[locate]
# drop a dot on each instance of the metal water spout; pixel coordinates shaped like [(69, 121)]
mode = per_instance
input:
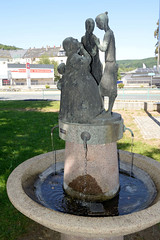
[(85, 137), (126, 128), (132, 135)]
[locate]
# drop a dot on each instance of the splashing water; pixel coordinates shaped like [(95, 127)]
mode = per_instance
[(132, 154), (85, 165), (85, 136), (53, 149)]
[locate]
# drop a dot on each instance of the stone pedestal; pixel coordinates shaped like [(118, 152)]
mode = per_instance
[(91, 163), (68, 237)]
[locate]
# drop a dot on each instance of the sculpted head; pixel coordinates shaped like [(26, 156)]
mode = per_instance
[(61, 68), (71, 45), (102, 21), (89, 24)]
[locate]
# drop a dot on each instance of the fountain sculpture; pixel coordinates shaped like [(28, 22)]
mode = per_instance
[(92, 179)]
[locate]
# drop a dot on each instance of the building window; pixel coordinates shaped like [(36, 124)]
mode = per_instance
[(34, 82), (61, 53), (5, 82)]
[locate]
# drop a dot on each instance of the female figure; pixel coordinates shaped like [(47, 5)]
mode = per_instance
[(80, 98), (88, 41), (108, 84)]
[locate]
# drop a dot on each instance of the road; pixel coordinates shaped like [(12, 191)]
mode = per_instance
[(55, 95), (31, 95)]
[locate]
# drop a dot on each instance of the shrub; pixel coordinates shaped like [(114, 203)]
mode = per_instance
[(120, 85)]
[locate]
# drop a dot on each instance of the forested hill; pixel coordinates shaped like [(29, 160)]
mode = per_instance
[(6, 47), (149, 62)]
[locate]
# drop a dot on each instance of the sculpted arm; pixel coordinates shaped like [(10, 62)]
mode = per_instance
[(61, 70), (85, 54), (104, 46), (94, 51), (91, 50)]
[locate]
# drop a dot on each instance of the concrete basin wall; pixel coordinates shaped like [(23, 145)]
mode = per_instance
[(96, 227)]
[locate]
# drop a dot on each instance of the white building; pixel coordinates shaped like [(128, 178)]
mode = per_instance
[(29, 74), (13, 66)]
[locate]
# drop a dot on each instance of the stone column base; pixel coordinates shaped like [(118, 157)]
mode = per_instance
[(95, 178)]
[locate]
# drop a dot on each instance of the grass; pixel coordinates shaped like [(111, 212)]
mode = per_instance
[(147, 147), (30, 105), (25, 128), (23, 134)]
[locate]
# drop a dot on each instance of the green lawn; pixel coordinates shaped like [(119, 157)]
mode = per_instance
[(23, 134), (25, 131)]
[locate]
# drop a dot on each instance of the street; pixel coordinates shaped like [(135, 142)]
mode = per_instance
[(31, 95), (123, 94)]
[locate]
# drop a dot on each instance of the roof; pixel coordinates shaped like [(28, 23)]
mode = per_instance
[(31, 53), (5, 54), (17, 53), (38, 52)]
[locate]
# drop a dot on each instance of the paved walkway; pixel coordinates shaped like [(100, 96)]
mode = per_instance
[(149, 126)]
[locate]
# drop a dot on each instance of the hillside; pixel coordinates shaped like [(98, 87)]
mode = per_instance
[(7, 47), (137, 63)]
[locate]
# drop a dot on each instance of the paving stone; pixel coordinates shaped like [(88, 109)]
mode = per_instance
[(149, 126)]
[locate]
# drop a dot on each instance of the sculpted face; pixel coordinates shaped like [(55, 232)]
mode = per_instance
[(71, 45), (89, 25), (100, 24), (102, 21)]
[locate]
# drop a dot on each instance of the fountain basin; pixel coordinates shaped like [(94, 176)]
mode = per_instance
[(97, 227)]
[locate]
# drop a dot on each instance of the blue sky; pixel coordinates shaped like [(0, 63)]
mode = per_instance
[(37, 23)]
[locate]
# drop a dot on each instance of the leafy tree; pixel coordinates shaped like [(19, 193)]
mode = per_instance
[(44, 59), (55, 63), (156, 35), (118, 75)]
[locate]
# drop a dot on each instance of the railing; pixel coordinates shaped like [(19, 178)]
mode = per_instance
[(139, 94)]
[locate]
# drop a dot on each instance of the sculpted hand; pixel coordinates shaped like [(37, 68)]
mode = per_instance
[(81, 47), (97, 41)]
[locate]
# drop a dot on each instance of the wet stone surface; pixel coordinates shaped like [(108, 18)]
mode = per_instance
[(86, 184)]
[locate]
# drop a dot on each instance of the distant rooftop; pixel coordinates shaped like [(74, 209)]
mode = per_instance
[(32, 52), (146, 70), (17, 53), (5, 53)]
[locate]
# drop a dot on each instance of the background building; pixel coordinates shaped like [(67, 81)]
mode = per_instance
[(39, 74), (13, 70)]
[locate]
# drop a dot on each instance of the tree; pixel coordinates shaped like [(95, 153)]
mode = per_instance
[(55, 63), (118, 75), (44, 59), (156, 35)]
